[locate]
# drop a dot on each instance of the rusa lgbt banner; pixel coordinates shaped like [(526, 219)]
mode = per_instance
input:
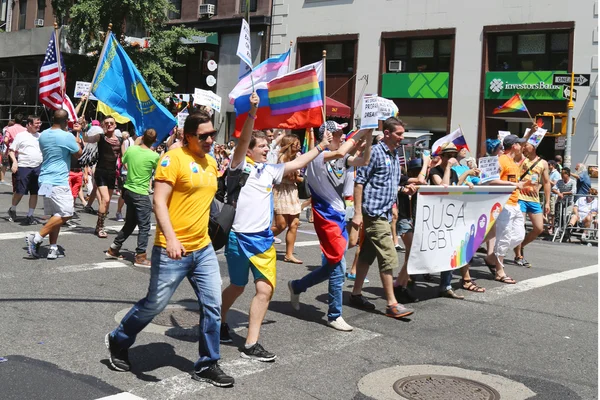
[(451, 223)]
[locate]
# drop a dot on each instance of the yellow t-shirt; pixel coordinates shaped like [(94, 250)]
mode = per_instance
[(194, 182), (535, 174), (509, 171)]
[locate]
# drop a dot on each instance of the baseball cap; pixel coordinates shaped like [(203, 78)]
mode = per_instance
[(512, 139), (331, 126), (95, 123)]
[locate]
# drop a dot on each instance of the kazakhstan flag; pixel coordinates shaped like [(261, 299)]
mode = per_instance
[(120, 86)]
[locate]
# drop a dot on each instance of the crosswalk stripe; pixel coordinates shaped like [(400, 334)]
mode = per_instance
[(63, 232)]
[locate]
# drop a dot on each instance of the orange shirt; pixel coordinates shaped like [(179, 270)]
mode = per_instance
[(509, 171)]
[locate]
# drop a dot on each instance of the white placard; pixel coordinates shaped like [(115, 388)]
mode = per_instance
[(207, 98), (451, 223), (536, 137), (387, 108), (490, 169), (370, 111), (181, 117), (502, 135), (83, 88), (244, 50)]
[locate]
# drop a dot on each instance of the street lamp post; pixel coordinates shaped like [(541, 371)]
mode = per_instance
[(570, 106)]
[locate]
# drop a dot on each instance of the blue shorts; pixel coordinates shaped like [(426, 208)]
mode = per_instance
[(239, 265), (27, 180), (530, 207), (404, 226)]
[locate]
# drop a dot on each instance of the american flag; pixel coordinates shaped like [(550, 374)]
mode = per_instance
[(51, 90), (68, 106)]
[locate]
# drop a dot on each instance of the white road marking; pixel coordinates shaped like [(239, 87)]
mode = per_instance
[(534, 283), (307, 232), (65, 231), (121, 396), (88, 267), (307, 243)]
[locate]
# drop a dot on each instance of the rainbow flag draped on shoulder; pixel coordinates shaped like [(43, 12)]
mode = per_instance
[(287, 101)]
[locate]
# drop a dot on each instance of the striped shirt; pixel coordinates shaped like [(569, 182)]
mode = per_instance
[(380, 180), (570, 186)]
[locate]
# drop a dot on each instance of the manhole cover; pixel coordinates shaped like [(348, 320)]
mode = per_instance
[(433, 387), (178, 317)]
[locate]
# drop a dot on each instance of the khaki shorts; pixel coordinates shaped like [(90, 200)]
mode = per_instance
[(378, 244)]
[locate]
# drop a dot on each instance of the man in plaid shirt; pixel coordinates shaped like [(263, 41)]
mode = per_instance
[(375, 192)]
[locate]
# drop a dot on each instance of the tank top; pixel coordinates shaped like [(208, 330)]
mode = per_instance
[(534, 175)]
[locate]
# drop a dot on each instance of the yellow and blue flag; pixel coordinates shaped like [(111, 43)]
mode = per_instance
[(120, 86)]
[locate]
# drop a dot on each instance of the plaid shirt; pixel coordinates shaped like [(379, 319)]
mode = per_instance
[(380, 180)]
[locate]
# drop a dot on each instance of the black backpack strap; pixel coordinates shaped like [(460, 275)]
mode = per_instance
[(235, 180), (532, 166)]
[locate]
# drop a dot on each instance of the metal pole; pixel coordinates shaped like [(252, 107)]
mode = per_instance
[(570, 106)]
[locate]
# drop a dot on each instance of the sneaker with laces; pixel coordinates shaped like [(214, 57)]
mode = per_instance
[(340, 325), (398, 311), (225, 336), (119, 358), (141, 261), (33, 248), (53, 254), (360, 301), (113, 254), (119, 217), (12, 215), (257, 352), (30, 220), (75, 215), (294, 298), (214, 375), (276, 240)]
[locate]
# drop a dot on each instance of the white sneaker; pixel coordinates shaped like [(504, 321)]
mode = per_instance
[(294, 298), (277, 240), (119, 217), (53, 254), (340, 325)]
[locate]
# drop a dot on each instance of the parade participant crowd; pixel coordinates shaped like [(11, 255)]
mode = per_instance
[(358, 189)]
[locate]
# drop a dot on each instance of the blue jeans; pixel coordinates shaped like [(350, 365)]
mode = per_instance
[(445, 280), (202, 270), (335, 274)]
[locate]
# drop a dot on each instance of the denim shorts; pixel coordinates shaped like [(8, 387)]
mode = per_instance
[(404, 226), (532, 207)]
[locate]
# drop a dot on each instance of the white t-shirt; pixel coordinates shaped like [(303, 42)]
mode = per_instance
[(327, 181), (584, 208), (254, 210), (27, 145)]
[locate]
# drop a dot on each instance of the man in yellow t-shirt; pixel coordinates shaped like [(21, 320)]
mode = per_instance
[(185, 185), (510, 224)]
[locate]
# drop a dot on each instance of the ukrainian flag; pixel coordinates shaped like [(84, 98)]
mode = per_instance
[(120, 86)]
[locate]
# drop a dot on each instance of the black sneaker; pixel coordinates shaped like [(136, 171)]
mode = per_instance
[(214, 375), (225, 336), (360, 301), (404, 295), (12, 215), (257, 352), (119, 358), (30, 220)]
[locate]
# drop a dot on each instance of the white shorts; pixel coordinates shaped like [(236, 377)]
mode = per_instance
[(510, 230), (58, 202)]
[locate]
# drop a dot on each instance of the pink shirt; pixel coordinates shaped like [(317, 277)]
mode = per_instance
[(12, 131)]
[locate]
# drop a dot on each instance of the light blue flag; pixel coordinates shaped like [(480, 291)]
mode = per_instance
[(119, 85)]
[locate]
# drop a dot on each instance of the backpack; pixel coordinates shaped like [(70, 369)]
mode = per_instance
[(222, 209)]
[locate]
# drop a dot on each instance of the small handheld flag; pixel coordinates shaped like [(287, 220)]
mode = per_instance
[(513, 104)]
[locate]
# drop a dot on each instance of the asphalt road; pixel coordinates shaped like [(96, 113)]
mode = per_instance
[(537, 339)]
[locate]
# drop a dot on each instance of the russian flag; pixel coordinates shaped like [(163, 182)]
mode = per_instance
[(240, 97), (455, 137), (330, 226)]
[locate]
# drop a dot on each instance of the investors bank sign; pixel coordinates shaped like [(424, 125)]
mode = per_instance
[(531, 85)]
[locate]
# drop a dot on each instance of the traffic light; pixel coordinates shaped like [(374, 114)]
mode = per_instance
[(563, 127), (545, 121)]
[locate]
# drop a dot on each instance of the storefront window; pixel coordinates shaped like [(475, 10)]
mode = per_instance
[(540, 51)]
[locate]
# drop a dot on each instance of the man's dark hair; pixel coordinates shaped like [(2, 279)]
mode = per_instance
[(392, 123), (256, 135), (19, 119), (190, 127), (60, 117), (31, 119), (149, 137), (558, 158), (566, 170), (553, 163)]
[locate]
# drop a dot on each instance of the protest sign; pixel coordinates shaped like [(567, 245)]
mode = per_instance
[(490, 169), (536, 137), (83, 88), (244, 51), (451, 223), (370, 109), (207, 98), (181, 117), (387, 108), (502, 135)]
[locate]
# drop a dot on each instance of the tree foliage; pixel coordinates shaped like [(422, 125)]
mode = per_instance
[(88, 22)]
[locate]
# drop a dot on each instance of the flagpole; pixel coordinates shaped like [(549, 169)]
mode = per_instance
[(59, 61), (526, 109), (324, 107), (96, 71)]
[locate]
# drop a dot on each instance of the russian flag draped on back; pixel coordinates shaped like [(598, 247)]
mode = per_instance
[(240, 96), (455, 137)]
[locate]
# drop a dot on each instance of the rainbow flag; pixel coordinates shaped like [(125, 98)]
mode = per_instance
[(513, 104), (295, 92)]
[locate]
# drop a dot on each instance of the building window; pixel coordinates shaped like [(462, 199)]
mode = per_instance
[(3, 12), (41, 9), (175, 12), (253, 6), (422, 55), (22, 14), (340, 56), (539, 51)]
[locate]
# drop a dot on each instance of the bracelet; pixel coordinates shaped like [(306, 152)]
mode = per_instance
[(424, 174), (252, 116), (319, 148)]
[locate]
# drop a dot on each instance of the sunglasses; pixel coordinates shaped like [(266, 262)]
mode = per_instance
[(450, 155), (205, 136), (110, 123)]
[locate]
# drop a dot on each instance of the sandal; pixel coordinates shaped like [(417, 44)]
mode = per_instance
[(293, 260), (468, 284), (505, 279), (522, 262)]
